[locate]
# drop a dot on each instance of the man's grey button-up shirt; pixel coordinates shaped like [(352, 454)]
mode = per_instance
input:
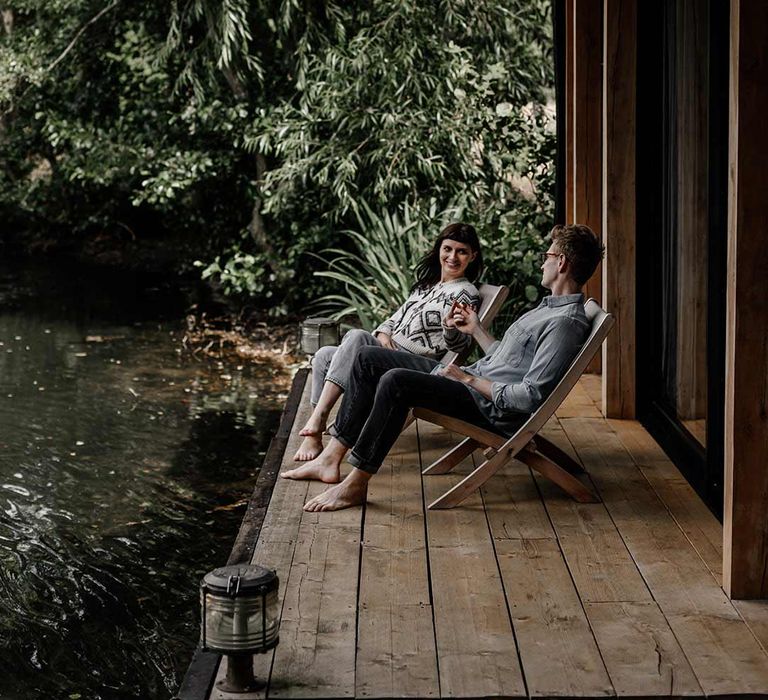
[(531, 358)]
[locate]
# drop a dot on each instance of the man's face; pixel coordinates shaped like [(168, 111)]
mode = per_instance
[(549, 267)]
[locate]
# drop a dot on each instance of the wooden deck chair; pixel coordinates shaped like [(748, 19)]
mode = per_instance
[(532, 449)]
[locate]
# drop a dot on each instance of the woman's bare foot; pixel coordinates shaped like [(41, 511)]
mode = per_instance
[(343, 495), (310, 448), (322, 468)]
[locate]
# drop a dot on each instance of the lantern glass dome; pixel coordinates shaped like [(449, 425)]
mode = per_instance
[(239, 609)]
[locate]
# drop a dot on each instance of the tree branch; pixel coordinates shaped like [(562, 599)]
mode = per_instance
[(72, 43)]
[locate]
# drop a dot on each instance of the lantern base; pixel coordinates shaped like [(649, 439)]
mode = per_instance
[(240, 678)]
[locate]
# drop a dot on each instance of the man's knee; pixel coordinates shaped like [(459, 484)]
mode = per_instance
[(393, 382)]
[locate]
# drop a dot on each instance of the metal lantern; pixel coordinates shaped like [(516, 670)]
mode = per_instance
[(239, 619), (318, 332)]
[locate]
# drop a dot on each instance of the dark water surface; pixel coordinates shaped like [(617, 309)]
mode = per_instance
[(125, 465)]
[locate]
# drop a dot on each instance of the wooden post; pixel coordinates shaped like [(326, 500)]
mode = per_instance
[(745, 531), (588, 117), (692, 133), (570, 167), (619, 224)]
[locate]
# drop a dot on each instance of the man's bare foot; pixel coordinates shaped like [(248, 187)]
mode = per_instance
[(343, 495), (310, 448), (321, 468)]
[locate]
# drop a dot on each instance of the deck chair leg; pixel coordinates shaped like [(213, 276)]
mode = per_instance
[(569, 483), (560, 457), (471, 483), (450, 459)]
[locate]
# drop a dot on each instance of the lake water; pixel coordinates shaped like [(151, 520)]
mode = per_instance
[(125, 468)]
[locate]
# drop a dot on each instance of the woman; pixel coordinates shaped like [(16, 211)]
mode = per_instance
[(423, 325)]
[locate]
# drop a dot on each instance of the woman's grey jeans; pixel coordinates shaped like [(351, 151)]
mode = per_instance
[(333, 363)]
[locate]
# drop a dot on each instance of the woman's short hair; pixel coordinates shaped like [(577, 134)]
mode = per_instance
[(428, 269), (581, 248)]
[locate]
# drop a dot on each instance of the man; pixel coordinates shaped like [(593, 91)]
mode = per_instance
[(496, 393)]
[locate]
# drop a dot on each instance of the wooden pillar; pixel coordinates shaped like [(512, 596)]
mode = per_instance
[(587, 129), (692, 134), (618, 215), (745, 531), (570, 167)]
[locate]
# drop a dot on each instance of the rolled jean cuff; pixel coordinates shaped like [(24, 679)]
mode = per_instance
[(334, 433), (361, 464), (336, 381)]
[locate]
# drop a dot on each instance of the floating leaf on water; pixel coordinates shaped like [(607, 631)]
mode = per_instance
[(233, 506)]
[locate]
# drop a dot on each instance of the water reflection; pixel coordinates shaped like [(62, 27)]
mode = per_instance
[(125, 465)]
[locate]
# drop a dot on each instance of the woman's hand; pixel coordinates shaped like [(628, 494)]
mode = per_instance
[(386, 341)]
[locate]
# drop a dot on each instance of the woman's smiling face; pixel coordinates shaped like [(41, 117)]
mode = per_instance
[(454, 258)]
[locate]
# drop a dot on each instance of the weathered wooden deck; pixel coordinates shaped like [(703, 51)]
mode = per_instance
[(520, 591)]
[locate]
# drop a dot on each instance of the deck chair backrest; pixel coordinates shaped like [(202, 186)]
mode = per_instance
[(491, 299), (602, 323)]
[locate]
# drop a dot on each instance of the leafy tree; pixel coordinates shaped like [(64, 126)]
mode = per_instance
[(247, 133)]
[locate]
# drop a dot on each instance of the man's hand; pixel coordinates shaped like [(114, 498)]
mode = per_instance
[(386, 341), (483, 386), (453, 372), (460, 316)]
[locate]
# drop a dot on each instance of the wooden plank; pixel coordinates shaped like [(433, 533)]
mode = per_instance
[(593, 385), (601, 568), (723, 653), (579, 403), (587, 145), (755, 614), (701, 528), (618, 214), (556, 474), (513, 506), (745, 551), (640, 651), (475, 642), (558, 652), (316, 655), (597, 557), (396, 654)]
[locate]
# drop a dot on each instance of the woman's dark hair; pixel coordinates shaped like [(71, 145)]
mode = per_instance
[(428, 269)]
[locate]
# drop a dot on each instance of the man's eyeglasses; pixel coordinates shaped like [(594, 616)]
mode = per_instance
[(543, 256)]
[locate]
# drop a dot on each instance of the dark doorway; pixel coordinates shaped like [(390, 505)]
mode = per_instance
[(682, 146)]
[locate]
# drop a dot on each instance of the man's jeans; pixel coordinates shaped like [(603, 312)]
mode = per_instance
[(384, 385)]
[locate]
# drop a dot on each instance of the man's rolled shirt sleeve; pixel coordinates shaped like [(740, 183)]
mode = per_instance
[(555, 349)]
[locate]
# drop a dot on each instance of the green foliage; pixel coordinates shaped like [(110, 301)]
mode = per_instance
[(377, 275), (254, 131)]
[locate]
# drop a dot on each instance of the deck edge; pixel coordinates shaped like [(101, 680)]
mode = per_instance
[(201, 672)]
